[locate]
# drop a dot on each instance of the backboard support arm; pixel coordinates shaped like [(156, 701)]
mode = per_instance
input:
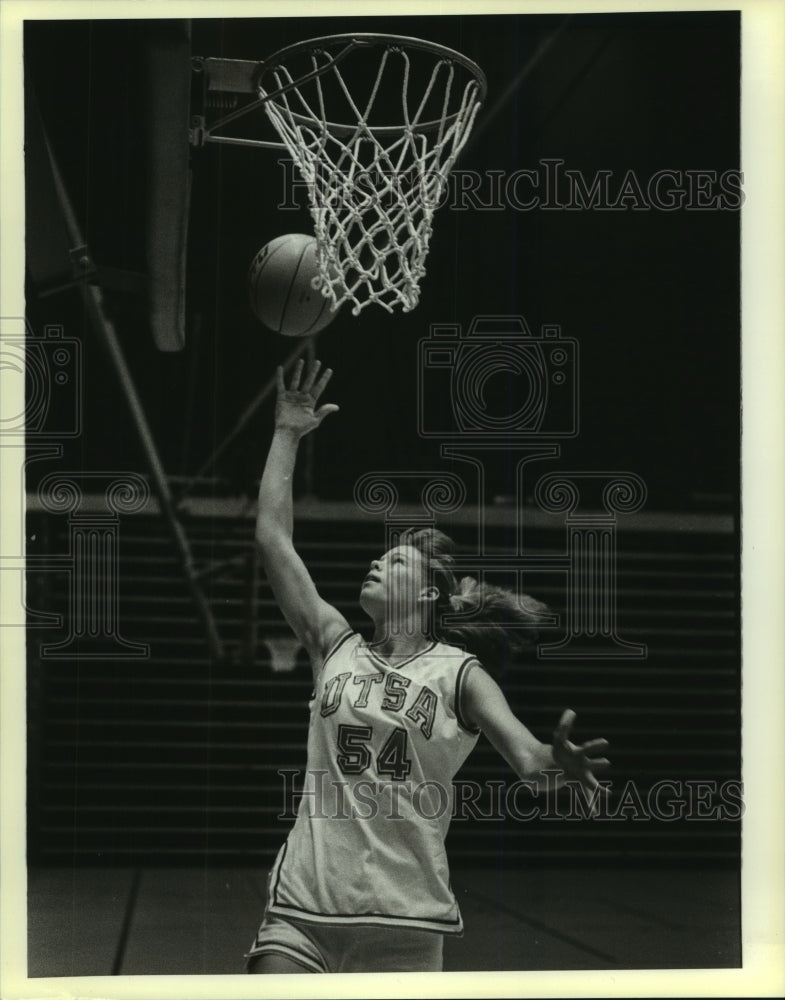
[(92, 297)]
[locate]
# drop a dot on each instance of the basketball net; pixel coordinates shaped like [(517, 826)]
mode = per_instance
[(373, 189)]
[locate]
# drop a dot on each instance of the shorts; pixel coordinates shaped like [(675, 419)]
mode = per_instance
[(338, 948)]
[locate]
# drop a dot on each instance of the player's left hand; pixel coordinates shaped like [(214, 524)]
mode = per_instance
[(580, 761)]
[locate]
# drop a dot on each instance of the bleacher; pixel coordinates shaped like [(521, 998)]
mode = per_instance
[(173, 758)]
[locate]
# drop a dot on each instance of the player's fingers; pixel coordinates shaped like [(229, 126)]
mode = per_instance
[(595, 746), (321, 385), (593, 794), (598, 763), (294, 385), (590, 784), (279, 383), (562, 731), (325, 411), (310, 375)]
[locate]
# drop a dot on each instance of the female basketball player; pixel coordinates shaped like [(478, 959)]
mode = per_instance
[(361, 883)]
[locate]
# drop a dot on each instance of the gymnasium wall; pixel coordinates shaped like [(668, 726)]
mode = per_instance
[(173, 758)]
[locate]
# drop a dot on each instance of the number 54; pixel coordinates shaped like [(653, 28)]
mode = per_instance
[(354, 754)]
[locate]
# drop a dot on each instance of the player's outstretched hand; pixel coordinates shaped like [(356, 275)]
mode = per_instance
[(580, 762), (295, 407)]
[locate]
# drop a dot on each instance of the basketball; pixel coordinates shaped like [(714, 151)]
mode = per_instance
[(280, 287)]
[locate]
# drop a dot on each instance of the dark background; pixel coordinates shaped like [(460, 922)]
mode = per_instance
[(651, 296)]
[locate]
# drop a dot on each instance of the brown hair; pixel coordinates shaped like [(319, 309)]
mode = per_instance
[(500, 624)]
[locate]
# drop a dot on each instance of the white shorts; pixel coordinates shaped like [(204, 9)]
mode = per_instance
[(331, 948)]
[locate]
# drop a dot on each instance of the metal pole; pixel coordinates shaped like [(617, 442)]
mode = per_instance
[(94, 306)]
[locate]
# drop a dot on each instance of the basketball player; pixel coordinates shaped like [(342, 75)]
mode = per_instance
[(362, 884)]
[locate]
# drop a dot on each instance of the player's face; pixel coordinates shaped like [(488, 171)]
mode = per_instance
[(395, 582)]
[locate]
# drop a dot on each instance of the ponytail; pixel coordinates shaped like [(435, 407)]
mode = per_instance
[(498, 624)]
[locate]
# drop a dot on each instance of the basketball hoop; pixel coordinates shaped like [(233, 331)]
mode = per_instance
[(373, 185)]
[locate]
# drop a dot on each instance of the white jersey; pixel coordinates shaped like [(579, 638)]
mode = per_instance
[(384, 744)]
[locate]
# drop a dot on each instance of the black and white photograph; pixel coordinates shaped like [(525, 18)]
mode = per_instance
[(390, 497)]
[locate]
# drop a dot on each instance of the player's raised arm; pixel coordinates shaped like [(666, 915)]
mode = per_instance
[(315, 622), (485, 706)]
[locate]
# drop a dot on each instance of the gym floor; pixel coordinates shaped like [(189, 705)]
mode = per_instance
[(99, 922)]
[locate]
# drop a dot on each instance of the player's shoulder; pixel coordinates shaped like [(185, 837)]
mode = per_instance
[(453, 659), (448, 650), (341, 638)]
